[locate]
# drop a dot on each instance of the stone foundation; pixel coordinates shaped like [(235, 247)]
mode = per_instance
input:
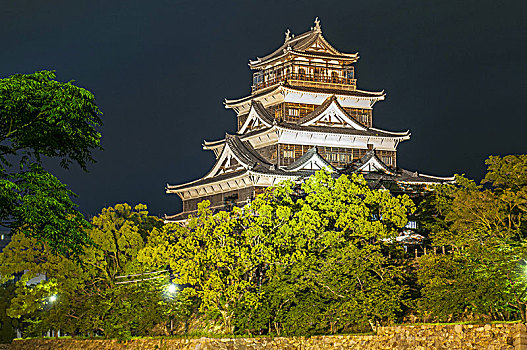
[(500, 336)]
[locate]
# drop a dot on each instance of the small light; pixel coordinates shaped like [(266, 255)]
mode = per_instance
[(52, 298), (172, 288)]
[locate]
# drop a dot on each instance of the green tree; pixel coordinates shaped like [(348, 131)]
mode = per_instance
[(485, 229), (41, 117), (294, 259), (89, 298), (212, 255), (8, 325), (340, 270)]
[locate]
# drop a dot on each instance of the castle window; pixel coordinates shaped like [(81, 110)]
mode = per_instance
[(318, 73), (257, 78), (293, 112), (364, 119), (344, 158), (387, 160), (332, 157), (289, 153), (349, 73), (334, 77), (301, 74)]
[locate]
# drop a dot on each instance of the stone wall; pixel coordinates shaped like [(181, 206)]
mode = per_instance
[(506, 336)]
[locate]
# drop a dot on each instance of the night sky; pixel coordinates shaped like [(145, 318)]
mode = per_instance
[(455, 74)]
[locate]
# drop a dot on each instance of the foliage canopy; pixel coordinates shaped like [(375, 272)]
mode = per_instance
[(89, 299), (41, 117), (294, 259), (485, 227), (309, 258)]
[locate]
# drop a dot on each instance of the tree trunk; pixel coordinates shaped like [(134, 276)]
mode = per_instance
[(227, 321)]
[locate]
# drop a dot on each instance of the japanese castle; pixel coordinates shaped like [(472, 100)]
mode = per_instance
[(304, 113)]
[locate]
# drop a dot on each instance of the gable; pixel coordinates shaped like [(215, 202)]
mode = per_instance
[(311, 160), (321, 46), (253, 121), (374, 165), (315, 164), (334, 116), (227, 162)]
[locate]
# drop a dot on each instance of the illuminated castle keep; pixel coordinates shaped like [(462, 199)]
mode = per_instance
[(304, 113)]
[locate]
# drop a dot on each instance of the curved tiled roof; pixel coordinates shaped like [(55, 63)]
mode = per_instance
[(345, 131), (286, 85), (208, 180), (299, 45), (395, 174), (262, 112), (244, 151)]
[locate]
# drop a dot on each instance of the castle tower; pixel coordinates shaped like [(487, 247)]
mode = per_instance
[(304, 113)]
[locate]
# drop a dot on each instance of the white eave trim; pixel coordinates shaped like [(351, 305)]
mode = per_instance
[(283, 129), (199, 187)]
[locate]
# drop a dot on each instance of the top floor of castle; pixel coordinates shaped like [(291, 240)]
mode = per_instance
[(306, 60), (306, 70)]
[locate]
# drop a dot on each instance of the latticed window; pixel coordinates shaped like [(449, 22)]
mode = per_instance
[(289, 153), (332, 157), (344, 158)]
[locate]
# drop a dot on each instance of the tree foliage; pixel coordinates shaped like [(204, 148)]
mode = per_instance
[(294, 259), (41, 117), (309, 258), (485, 228), (89, 299), (8, 325)]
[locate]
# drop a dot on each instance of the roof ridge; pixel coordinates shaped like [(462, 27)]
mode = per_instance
[(281, 48), (262, 111), (301, 42), (243, 149)]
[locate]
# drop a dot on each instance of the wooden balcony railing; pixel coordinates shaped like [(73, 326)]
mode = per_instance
[(309, 80)]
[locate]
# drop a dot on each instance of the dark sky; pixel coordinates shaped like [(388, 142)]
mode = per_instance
[(455, 74)]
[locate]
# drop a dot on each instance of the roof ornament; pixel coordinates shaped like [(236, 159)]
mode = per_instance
[(287, 35), (317, 27)]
